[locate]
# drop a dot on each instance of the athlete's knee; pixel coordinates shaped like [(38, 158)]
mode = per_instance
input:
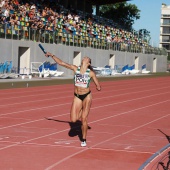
[(73, 118), (84, 120)]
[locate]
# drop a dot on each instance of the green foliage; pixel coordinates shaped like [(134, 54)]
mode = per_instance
[(124, 14), (144, 35)]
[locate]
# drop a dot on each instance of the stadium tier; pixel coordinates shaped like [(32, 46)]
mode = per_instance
[(38, 22), (71, 34)]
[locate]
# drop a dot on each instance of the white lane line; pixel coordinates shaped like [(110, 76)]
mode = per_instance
[(68, 113), (58, 98), (66, 158), (53, 93), (47, 107), (60, 87)]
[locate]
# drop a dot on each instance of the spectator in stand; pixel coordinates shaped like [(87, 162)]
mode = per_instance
[(10, 6), (12, 19), (54, 15), (6, 12), (22, 11), (109, 38), (32, 14), (70, 16), (66, 22), (90, 34), (44, 13), (3, 19), (76, 18), (1, 11), (2, 3), (33, 6)]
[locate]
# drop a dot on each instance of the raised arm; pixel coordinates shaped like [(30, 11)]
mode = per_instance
[(93, 75), (60, 62)]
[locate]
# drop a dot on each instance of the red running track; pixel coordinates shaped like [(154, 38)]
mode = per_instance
[(35, 133)]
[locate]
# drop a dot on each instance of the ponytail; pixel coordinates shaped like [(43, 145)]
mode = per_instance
[(90, 67)]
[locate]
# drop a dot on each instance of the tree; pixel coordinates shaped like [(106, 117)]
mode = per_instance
[(122, 13), (144, 35)]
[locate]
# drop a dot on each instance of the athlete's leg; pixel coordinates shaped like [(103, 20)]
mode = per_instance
[(79, 115), (76, 108), (85, 111)]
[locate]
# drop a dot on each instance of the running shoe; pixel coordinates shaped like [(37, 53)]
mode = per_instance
[(83, 144)]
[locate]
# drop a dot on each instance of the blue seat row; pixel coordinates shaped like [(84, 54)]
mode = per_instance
[(48, 66), (5, 67)]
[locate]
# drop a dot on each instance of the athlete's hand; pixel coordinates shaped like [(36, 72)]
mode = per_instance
[(48, 54), (98, 88)]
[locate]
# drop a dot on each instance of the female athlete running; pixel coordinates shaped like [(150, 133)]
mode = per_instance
[(82, 94)]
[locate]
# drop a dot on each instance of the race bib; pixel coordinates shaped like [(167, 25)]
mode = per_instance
[(81, 80)]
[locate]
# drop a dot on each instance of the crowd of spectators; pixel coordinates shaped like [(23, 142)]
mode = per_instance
[(48, 15)]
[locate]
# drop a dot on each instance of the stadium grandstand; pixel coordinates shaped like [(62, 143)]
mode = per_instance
[(42, 21), (70, 23)]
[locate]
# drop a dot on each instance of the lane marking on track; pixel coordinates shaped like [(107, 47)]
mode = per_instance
[(117, 150), (92, 146), (47, 107), (52, 88), (66, 158), (99, 98), (30, 122), (128, 147), (91, 108), (90, 123), (53, 93)]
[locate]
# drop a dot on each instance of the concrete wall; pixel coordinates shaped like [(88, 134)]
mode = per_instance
[(9, 50)]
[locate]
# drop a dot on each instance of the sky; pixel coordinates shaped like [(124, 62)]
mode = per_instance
[(149, 17)]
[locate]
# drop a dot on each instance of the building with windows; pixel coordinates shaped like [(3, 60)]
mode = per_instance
[(165, 28)]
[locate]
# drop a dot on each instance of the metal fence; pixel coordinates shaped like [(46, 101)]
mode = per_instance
[(59, 37)]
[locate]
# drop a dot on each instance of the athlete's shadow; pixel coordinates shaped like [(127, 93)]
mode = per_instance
[(75, 128)]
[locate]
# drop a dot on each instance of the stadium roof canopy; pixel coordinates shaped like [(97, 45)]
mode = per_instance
[(104, 2)]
